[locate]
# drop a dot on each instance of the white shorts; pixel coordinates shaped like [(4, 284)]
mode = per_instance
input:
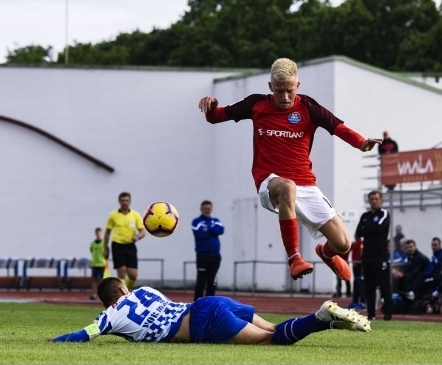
[(312, 208)]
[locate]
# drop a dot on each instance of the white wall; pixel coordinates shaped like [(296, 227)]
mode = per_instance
[(146, 124)]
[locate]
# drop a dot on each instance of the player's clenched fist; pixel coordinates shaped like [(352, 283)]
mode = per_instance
[(369, 144), (208, 103)]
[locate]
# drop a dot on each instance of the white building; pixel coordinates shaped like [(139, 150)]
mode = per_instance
[(145, 123)]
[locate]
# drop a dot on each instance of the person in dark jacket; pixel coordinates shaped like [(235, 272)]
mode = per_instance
[(432, 276), (207, 230), (388, 146), (374, 227), (413, 276)]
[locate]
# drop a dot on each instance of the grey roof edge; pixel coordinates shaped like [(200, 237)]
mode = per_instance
[(242, 74), (393, 75)]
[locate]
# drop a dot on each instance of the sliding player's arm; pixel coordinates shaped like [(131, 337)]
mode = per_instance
[(86, 334)]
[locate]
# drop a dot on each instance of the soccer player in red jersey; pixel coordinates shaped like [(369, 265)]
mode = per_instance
[(284, 124)]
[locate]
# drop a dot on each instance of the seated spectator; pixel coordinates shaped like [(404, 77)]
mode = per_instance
[(400, 256), (399, 236), (430, 280), (417, 262), (399, 265)]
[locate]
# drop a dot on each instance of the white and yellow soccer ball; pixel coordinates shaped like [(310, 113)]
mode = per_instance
[(161, 219)]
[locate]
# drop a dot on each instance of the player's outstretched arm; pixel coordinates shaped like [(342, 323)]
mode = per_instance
[(369, 143), (86, 334)]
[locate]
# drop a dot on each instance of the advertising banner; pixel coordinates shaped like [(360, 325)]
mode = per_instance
[(411, 167)]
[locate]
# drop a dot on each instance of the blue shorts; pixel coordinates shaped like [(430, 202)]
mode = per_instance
[(217, 319)]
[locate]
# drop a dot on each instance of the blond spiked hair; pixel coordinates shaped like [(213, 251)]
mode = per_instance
[(283, 69)]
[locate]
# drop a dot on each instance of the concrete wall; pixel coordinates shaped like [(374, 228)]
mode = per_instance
[(146, 124)]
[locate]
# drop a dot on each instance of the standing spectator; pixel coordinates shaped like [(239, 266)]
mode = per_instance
[(430, 280), (358, 277), (127, 228), (388, 146), (338, 292), (284, 125), (207, 230), (374, 227), (397, 239), (98, 260)]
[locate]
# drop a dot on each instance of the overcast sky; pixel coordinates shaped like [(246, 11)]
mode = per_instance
[(43, 22)]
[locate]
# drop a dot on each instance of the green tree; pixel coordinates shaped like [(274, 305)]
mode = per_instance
[(105, 53), (28, 54), (252, 33), (391, 22), (234, 33), (370, 31), (422, 51)]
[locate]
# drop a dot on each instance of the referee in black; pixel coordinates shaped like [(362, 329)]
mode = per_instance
[(374, 227)]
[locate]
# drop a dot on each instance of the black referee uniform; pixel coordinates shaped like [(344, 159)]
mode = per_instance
[(374, 227)]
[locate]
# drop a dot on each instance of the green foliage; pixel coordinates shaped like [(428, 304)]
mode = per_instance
[(28, 54), (105, 53), (422, 51), (401, 35), (25, 326)]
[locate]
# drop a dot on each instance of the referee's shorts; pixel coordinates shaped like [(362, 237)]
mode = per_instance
[(124, 254)]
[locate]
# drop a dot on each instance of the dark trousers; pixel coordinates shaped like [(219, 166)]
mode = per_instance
[(339, 287), (425, 285), (358, 284), (413, 283), (377, 273), (207, 268)]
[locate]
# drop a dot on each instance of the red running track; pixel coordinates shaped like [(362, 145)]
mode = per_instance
[(264, 303)]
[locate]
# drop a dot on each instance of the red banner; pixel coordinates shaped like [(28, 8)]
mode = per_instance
[(410, 167)]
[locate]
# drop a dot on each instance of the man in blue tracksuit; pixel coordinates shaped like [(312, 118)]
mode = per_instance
[(207, 230)]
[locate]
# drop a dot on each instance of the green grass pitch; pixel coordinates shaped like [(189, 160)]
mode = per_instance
[(25, 326)]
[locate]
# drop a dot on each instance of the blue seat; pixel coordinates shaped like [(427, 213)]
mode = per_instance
[(82, 282), (42, 281), (10, 281)]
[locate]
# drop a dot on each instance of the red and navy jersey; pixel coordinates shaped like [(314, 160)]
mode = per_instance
[(283, 138)]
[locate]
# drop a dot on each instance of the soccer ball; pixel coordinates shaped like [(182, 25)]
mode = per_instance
[(160, 219)]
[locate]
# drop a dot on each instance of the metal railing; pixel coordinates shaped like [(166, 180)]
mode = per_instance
[(185, 263), (59, 267), (290, 287), (161, 261)]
